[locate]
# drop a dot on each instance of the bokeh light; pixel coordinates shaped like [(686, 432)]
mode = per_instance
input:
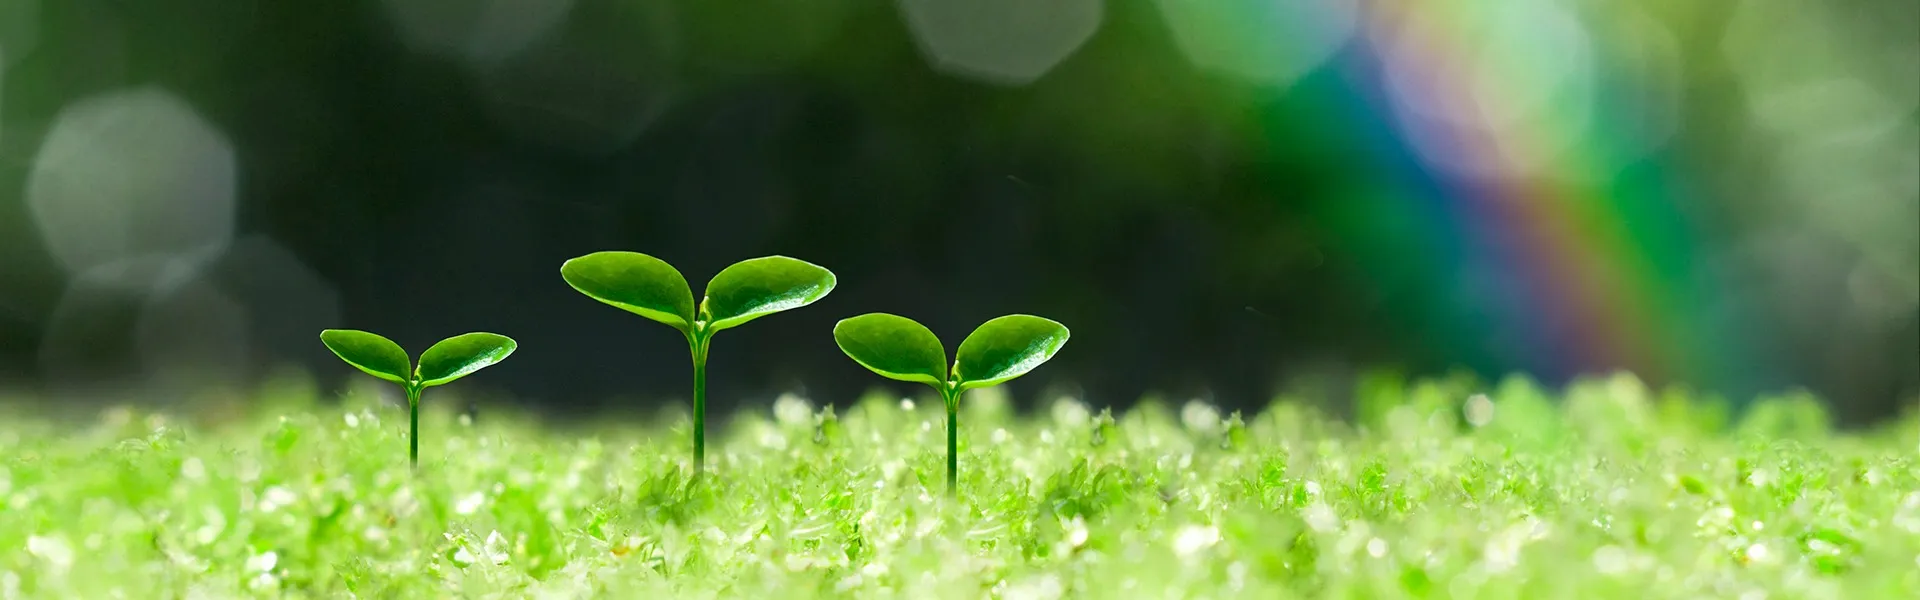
[(1833, 111), (182, 322), (592, 90), (283, 301), (1268, 42), (1723, 194), (479, 32), (150, 320), (131, 173), (1012, 42), (191, 334)]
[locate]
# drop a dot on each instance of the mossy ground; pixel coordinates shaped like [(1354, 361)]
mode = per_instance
[(1604, 490)]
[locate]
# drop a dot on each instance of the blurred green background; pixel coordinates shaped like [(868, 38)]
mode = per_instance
[(1220, 197)]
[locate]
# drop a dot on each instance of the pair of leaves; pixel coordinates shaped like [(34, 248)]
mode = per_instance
[(651, 288), (999, 350), (451, 359)]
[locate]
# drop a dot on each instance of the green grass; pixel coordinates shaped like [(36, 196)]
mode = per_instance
[(1607, 490)]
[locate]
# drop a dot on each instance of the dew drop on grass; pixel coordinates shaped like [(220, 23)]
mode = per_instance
[(1376, 547), (1200, 417), (193, 469), (1908, 515), (1194, 538), (1041, 587), (792, 410), (1610, 560), (1077, 532), (51, 549), (470, 503), (1068, 412), (275, 498), (1322, 518), (1716, 517), (216, 522), (1479, 410), (263, 562)]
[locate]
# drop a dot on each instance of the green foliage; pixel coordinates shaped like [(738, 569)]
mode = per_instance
[(758, 287), (998, 351), (443, 363), (742, 292), (636, 283), (460, 356), (1005, 348), (369, 352), (896, 347), (306, 504)]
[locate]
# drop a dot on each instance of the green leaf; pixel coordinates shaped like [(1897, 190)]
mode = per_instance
[(376, 355), (635, 282), (461, 355), (1005, 348), (758, 287), (896, 347)]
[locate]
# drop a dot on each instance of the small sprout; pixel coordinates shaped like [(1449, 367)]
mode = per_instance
[(445, 362), (1236, 436), (826, 427), (1103, 427), (999, 350), (745, 291)]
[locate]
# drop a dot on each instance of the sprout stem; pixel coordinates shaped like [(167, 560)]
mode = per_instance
[(413, 426), (700, 402), (951, 395)]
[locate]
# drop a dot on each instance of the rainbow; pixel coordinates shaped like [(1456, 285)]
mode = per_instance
[(1518, 205)]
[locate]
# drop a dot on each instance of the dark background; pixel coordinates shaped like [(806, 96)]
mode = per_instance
[(421, 168)]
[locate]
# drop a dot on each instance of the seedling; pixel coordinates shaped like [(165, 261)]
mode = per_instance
[(451, 359), (999, 350), (745, 291)]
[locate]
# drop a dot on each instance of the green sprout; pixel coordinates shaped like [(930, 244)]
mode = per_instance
[(451, 359), (999, 350), (745, 291)]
